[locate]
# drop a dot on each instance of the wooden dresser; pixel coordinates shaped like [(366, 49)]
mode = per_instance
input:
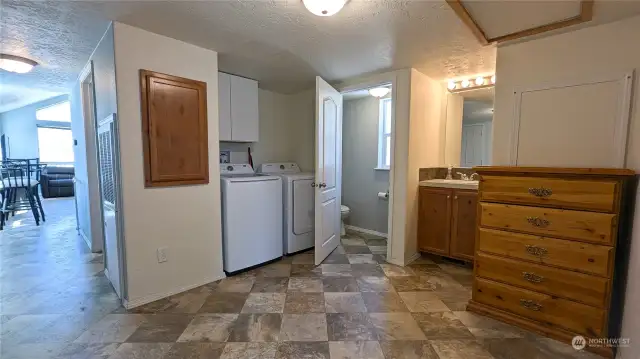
[(551, 247)]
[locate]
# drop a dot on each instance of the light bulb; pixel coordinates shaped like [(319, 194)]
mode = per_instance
[(493, 79), (324, 7), (479, 80), (465, 83), (379, 92), (451, 85)]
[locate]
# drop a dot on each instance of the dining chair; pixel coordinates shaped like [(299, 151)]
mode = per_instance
[(20, 176)]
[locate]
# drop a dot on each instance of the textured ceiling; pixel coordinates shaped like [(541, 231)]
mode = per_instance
[(59, 38), (277, 42)]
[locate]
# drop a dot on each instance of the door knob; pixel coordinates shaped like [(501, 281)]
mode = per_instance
[(313, 184), (322, 185)]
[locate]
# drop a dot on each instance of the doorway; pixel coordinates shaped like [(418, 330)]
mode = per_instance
[(366, 163), (361, 156)]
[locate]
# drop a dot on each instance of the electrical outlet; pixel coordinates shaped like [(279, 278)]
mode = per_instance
[(162, 254)]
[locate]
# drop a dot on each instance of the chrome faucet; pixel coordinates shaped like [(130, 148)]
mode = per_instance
[(464, 177)]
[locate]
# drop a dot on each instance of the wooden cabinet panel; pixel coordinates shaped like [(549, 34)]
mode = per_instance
[(586, 226), (224, 106), (245, 126), (580, 256), (434, 226), (597, 195), (542, 307), (579, 287), (463, 228), (174, 130)]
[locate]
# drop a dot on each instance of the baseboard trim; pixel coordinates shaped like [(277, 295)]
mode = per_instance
[(367, 231), (86, 239), (415, 256), (130, 304)]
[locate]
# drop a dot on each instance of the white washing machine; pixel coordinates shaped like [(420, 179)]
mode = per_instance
[(251, 217), (298, 202)]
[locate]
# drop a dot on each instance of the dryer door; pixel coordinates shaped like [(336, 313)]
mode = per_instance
[(303, 209)]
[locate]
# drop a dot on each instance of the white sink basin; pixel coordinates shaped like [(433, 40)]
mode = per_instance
[(453, 183)]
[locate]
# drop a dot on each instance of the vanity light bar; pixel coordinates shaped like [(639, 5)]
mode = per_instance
[(471, 83)]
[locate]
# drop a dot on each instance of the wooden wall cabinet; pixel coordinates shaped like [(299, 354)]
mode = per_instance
[(447, 220), (238, 108), (174, 130)]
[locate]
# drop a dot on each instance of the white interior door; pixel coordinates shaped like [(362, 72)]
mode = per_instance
[(472, 148), (328, 184)]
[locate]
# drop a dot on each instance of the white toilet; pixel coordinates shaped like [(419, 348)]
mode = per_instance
[(344, 214)]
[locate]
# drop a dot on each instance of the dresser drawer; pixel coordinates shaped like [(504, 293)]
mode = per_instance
[(579, 256), (596, 195), (575, 286), (587, 226), (576, 317)]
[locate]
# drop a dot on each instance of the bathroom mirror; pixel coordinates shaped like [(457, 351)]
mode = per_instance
[(469, 128)]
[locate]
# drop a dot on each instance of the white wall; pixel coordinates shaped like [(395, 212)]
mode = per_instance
[(184, 219), (286, 122), (425, 146), (19, 127), (454, 111), (602, 50)]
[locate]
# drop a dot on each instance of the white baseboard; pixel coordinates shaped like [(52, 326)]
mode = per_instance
[(367, 231), (86, 239), (130, 304), (415, 256)]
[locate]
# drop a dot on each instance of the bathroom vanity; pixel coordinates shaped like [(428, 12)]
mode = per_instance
[(447, 218)]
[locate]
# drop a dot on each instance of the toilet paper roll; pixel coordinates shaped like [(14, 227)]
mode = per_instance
[(383, 195)]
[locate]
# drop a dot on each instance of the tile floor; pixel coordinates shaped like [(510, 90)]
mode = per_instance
[(57, 304)]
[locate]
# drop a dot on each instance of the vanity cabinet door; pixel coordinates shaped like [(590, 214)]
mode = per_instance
[(463, 227), (434, 226)]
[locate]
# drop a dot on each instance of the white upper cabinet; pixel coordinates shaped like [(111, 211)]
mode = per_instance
[(224, 105), (239, 119)]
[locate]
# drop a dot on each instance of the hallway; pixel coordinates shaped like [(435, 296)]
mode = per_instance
[(51, 287)]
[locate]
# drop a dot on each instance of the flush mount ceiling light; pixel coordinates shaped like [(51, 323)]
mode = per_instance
[(324, 7), (16, 63), (379, 92)]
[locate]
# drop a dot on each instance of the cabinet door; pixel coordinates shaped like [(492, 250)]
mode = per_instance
[(434, 222), (224, 106), (174, 130), (244, 110), (463, 228)]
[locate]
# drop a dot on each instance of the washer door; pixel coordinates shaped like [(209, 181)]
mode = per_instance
[(303, 209)]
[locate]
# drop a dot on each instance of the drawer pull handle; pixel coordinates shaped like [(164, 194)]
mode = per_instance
[(541, 192), (538, 222), (535, 251), (532, 277), (531, 305)]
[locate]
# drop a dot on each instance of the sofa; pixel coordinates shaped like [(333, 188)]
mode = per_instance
[(57, 181)]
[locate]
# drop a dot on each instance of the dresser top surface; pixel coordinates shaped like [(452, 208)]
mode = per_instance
[(623, 172)]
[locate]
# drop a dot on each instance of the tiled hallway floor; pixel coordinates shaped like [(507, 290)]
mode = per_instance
[(57, 304)]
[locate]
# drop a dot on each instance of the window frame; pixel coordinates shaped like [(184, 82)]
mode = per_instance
[(382, 135), (58, 125)]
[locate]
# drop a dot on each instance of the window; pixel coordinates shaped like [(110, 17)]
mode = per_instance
[(55, 142), (384, 135)]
